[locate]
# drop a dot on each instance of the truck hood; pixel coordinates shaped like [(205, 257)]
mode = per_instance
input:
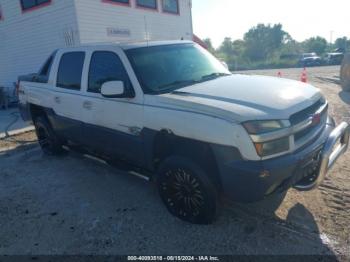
[(240, 98)]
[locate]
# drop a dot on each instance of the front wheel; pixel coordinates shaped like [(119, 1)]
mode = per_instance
[(187, 191)]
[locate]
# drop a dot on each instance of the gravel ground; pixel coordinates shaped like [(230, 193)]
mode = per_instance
[(75, 205)]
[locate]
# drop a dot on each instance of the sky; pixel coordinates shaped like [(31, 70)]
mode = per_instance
[(302, 19)]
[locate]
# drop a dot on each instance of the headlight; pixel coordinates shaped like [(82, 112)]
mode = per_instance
[(260, 127), (269, 146), (272, 147)]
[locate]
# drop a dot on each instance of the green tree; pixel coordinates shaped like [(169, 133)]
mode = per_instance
[(343, 44), (227, 47), (209, 44), (292, 47), (315, 44), (238, 47), (226, 51), (263, 40), (231, 52)]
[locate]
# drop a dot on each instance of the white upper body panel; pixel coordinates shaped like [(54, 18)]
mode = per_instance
[(240, 98), (210, 111)]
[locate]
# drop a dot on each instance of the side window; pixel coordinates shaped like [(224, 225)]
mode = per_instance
[(104, 67), (44, 73), (70, 70), (45, 70)]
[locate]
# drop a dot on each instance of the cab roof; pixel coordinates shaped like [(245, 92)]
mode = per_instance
[(133, 45)]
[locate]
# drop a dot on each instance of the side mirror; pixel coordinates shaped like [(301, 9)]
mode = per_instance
[(113, 89)]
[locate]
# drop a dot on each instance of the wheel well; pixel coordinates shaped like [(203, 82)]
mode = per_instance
[(36, 111), (167, 144)]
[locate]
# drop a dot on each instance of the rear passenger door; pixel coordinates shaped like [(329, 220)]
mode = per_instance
[(67, 99), (112, 125)]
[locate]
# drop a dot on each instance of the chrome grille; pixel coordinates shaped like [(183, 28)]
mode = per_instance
[(306, 113), (311, 130), (298, 136)]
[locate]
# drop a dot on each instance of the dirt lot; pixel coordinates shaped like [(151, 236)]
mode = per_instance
[(75, 205)]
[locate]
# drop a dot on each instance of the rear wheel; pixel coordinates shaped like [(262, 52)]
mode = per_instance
[(345, 73), (186, 191), (48, 140)]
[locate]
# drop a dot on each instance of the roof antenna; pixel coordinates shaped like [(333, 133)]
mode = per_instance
[(146, 30)]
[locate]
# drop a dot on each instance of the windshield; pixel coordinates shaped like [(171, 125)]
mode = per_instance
[(166, 68)]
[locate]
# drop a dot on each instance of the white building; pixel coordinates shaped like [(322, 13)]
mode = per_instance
[(32, 29)]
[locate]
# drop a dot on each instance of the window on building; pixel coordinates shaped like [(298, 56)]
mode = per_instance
[(70, 70), (171, 6), (29, 4), (152, 4), (122, 2), (104, 67)]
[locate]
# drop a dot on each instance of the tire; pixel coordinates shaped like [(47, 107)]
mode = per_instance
[(48, 140), (345, 73), (187, 191)]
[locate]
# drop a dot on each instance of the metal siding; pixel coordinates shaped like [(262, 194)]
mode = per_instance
[(27, 39), (95, 16)]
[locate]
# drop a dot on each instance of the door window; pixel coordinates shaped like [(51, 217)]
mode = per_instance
[(70, 70), (44, 73), (104, 67)]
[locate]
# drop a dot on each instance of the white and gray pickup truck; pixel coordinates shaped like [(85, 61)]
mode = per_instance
[(174, 112)]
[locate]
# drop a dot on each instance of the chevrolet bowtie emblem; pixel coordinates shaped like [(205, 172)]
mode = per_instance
[(316, 119)]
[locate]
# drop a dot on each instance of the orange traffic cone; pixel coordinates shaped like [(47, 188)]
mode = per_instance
[(304, 76)]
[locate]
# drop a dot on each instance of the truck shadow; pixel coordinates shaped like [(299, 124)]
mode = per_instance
[(299, 223), (298, 212)]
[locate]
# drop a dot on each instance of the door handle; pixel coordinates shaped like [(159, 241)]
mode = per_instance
[(87, 105), (57, 99)]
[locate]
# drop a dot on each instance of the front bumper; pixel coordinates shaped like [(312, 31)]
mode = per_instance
[(305, 169), (336, 145)]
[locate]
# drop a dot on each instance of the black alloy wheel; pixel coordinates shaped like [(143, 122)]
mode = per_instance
[(186, 191)]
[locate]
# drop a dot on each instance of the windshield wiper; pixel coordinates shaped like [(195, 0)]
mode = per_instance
[(214, 76), (181, 83)]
